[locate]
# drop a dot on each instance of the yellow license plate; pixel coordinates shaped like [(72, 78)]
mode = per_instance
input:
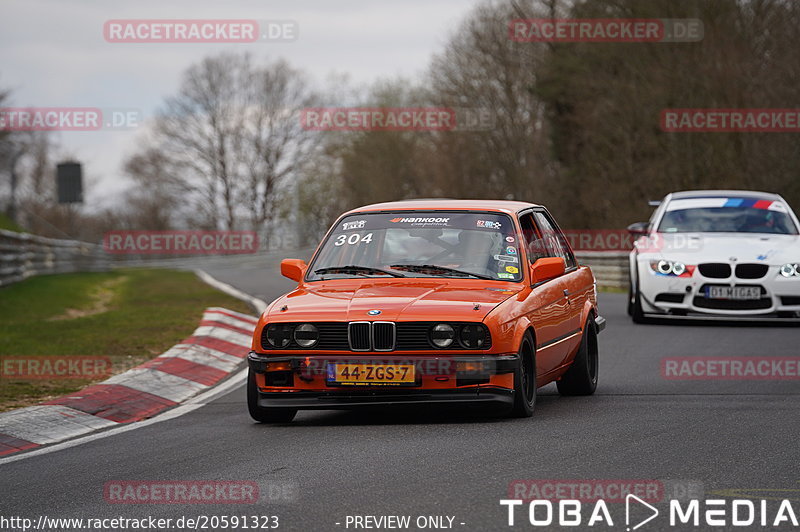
[(371, 373)]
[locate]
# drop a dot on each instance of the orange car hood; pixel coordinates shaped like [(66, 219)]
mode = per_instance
[(397, 300)]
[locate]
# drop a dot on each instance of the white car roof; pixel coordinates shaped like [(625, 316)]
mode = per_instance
[(725, 193)]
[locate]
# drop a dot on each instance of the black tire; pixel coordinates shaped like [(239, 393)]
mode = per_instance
[(261, 414), (581, 377), (630, 297), (635, 304), (525, 380)]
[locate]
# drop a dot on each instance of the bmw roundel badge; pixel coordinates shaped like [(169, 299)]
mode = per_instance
[(374, 312)]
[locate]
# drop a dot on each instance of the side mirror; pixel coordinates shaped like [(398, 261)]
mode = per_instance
[(547, 268), (294, 269), (639, 228)]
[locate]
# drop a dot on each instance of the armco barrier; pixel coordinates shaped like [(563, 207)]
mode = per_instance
[(23, 255), (610, 268)]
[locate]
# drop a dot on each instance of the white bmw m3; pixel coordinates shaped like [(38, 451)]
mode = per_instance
[(716, 254)]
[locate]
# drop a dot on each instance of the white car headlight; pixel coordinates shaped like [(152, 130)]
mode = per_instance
[(790, 270), (669, 267)]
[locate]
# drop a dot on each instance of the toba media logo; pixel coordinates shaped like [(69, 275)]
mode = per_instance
[(690, 513)]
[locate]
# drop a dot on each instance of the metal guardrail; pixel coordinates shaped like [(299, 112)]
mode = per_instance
[(610, 268), (23, 255)]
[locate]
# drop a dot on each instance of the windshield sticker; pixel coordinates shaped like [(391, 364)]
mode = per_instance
[(503, 275), (353, 239), (421, 221), (427, 220), (720, 203), (489, 224), (355, 224), (510, 239), (512, 269), (475, 243)]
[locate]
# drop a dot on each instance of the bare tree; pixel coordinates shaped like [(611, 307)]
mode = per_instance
[(483, 72), (275, 143), (154, 202), (201, 130), (228, 142)]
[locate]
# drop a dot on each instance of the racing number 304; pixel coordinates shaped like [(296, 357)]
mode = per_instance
[(352, 239)]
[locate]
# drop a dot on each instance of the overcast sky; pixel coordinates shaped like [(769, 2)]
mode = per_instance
[(53, 54)]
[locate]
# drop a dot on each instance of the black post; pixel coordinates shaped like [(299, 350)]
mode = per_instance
[(12, 209)]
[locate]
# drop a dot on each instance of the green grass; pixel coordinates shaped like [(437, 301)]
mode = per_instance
[(612, 289), (127, 315), (8, 225)]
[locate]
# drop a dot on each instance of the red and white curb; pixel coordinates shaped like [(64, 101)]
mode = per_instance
[(217, 348)]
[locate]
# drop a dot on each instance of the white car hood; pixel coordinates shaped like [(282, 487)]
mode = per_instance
[(695, 248)]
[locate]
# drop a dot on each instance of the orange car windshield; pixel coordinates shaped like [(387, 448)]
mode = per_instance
[(471, 245)]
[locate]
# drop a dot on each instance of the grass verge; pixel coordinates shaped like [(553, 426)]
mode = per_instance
[(612, 289), (8, 225), (128, 316)]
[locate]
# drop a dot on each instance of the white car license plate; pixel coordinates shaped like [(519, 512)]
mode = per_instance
[(733, 292)]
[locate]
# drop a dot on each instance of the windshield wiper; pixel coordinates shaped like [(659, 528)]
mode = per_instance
[(423, 268), (357, 270)]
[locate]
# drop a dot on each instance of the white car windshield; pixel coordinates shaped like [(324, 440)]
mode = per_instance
[(420, 244), (727, 215)]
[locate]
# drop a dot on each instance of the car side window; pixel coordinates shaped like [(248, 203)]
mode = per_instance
[(534, 243), (554, 240)]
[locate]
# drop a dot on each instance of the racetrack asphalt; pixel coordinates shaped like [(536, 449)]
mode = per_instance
[(729, 436)]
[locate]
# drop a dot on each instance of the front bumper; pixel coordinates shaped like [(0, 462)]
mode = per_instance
[(303, 382), (684, 297), (479, 396)]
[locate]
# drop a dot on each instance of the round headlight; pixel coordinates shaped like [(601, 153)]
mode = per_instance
[(442, 335), (678, 268), (472, 336), (306, 335), (789, 270), (279, 335), (664, 266)]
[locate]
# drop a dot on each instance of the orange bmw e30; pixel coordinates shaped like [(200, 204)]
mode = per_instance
[(429, 302)]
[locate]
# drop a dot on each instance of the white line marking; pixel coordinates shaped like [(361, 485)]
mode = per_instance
[(258, 304)]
